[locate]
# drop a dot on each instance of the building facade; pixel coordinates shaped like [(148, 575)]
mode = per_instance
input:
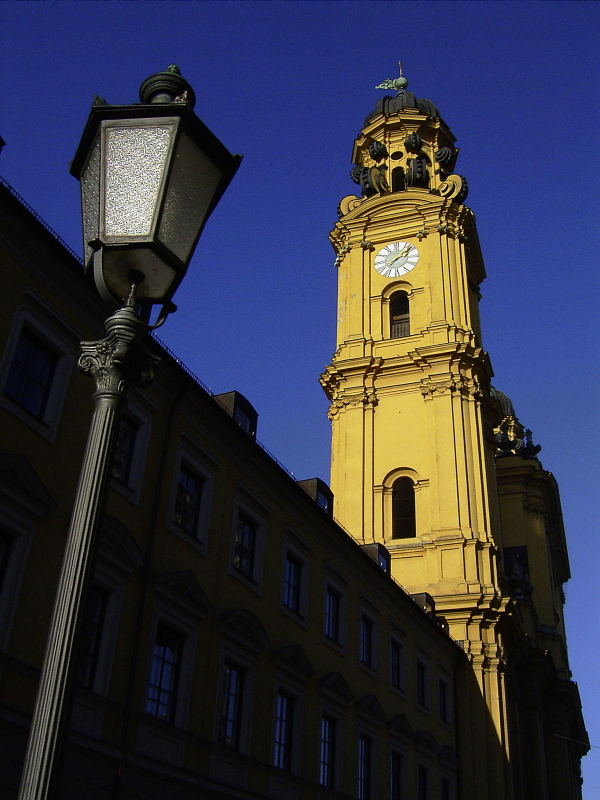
[(250, 636)]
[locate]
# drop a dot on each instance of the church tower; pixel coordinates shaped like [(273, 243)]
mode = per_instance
[(412, 409)]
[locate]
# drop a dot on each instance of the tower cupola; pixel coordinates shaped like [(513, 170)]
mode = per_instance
[(405, 144)]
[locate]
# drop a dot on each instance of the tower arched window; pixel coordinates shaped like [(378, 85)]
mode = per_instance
[(403, 509), (399, 316), (398, 180)]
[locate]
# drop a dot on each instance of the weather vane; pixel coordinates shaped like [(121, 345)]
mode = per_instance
[(398, 84)]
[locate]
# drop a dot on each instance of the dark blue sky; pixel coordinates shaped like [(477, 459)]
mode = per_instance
[(288, 85)]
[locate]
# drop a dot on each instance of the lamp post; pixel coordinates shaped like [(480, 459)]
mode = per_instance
[(151, 174)]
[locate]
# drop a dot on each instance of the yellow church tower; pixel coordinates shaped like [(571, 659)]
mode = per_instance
[(412, 411)]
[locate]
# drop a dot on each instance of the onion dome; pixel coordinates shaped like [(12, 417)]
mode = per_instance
[(394, 105)]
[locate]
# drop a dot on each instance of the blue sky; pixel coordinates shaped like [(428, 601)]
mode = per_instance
[(288, 85)]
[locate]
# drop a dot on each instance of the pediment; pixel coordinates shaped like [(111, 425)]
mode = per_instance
[(294, 659), (245, 629), (334, 686), (370, 708), (21, 486), (183, 589), (399, 726)]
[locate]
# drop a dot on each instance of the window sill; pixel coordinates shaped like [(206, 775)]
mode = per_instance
[(250, 583), (45, 428), (372, 671), (130, 493), (297, 616), (334, 644), (198, 544)]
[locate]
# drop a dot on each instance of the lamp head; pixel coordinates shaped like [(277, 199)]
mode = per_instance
[(151, 175)]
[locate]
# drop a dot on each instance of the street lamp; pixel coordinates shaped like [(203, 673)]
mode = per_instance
[(151, 174)]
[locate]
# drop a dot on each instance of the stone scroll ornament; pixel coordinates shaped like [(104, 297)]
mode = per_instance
[(417, 173), (372, 180), (454, 188), (446, 157)]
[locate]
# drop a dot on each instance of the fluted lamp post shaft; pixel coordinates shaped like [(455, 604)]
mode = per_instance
[(151, 174), (116, 362)]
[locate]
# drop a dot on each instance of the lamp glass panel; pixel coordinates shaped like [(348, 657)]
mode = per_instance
[(136, 158), (193, 181), (90, 198)]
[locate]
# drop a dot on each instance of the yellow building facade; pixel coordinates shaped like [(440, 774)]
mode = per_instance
[(416, 463)]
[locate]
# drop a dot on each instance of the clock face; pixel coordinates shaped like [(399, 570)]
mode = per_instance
[(395, 259)]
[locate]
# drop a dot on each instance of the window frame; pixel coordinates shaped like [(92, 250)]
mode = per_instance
[(136, 412), (405, 521), (445, 699), (328, 769), (188, 453), (399, 323), (284, 752), (366, 623), (57, 336), (397, 781), (422, 682), (187, 630), (423, 786), (397, 674), (174, 688), (364, 763), (292, 582), (332, 590), (20, 536), (246, 507), (239, 653), (295, 551), (240, 699)]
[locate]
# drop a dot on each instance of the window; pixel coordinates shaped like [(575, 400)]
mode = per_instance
[(396, 779), (164, 673), (327, 752), (324, 501), (31, 373), (188, 499), (6, 546), (231, 712), (124, 450), (398, 181), (364, 767), (399, 316), (422, 782), (91, 635), (36, 366), (403, 509), (332, 614), (366, 641), (446, 789), (244, 546), (422, 678), (131, 441), (444, 700), (284, 726), (292, 576), (243, 419), (396, 664), (190, 504)]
